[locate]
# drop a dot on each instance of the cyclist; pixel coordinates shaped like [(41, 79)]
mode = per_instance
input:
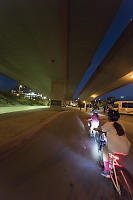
[(116, 139), (94, 122)]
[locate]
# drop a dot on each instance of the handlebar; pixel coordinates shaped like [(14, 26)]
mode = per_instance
[(101, 132), (102, 138)]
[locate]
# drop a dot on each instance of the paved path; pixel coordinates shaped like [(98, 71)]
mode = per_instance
[(56, 164)]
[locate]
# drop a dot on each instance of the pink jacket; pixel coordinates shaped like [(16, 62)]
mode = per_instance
[(95, 121)]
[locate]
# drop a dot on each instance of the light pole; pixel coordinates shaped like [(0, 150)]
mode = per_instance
[(20, 86)]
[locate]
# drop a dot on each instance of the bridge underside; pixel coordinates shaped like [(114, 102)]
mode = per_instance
[(116, 70), (48, 45)]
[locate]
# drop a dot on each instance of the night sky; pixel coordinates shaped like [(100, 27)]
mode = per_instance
[(126, 91), (7, 83)]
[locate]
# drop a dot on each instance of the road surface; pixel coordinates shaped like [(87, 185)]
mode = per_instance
[(57, 164)]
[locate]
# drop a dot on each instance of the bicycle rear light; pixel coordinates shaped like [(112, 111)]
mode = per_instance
[(116, 157)]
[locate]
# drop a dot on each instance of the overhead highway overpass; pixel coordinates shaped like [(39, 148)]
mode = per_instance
[(49, 44)]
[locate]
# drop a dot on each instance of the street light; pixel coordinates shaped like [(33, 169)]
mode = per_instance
[(20, 86), (94, 96)]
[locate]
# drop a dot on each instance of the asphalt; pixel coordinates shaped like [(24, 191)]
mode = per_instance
[(57, 164)]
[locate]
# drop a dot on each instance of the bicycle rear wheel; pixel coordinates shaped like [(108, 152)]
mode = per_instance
[(125, 182)]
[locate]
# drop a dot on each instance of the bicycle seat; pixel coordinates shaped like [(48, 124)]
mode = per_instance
[(121, 156)]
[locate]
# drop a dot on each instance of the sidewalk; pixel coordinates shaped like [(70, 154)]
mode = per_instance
[(10, 109)]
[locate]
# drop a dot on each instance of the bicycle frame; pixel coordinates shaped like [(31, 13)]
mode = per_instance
[(115, 179), (113, 163), (114, 158)]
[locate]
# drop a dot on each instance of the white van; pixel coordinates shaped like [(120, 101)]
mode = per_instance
[(124, 106)]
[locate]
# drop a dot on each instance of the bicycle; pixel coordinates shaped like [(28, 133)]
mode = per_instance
[(89, 127), (91, 132), (121, 179)]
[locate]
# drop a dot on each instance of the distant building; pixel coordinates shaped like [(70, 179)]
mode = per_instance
[(125, 98), (26, 92)]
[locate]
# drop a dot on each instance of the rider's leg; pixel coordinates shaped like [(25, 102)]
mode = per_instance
[(94, 135), (106, 162), (106, 159), (91, 130)]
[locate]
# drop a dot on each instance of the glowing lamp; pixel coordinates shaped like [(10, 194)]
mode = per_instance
[(94, 96)]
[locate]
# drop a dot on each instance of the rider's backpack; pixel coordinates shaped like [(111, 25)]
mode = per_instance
[(119, 129)]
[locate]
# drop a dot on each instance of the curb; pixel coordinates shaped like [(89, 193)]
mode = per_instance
[(126, 114)]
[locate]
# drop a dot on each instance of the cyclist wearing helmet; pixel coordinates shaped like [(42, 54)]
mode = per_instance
[(94, 122), (116, 139)]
